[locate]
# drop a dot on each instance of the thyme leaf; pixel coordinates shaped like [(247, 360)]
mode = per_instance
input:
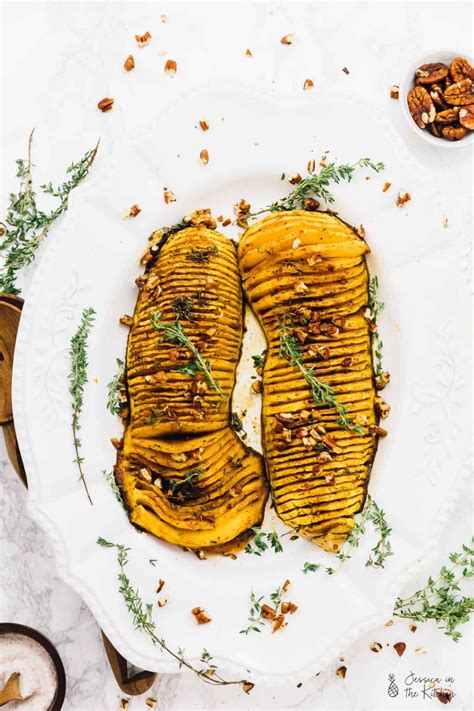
[(110, 479), (317, 185), (371, 513), (204, 254), (26, 225), (142, 617), (255, 616), (114, 403), (441, 599), (174, 333), (375, 308), (259, 543), (187, 479), (322, 393), (77, 380)]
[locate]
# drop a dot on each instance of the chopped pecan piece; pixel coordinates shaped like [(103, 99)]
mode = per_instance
[(143, 40), (132, 212), (341, 672), (129, 63), (204, 157), (126, 320), (248, 53), (402, 198), (394, 91), (200, 615), (171, 67), (268, 613), (204, 125), (278, 622), (288, 608), (399, 647), (105, 104), (168, 196), (287, 39), (308, 84)]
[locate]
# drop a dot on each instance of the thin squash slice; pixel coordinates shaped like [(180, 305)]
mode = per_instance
[(185, 475), (305, 276)]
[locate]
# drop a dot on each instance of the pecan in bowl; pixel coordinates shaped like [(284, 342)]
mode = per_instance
[(437, 99)]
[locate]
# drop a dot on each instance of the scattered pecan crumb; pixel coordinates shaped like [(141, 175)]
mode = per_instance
[(311, 204), (377, 431), (105, 104), (444, 695), (143, 40), (248, 53), (168, 196), (162, 601), (132, 212), (394, 91), (445, 222), (382, 380), (268, 613), (386, 187), (201, 554), (412, 628), (171, 67), (124, 704), (278, 622), (308, 84), (257, 386), (361, 231), (330, 478), (164, 17), (204, 125), (117, 443), (160, 586), (389, 623), (129, 63), (311, 166), (247, 686), (420, 650), (151, 703), (204, 156), (200, 615), (226, 222), (402, 198), (295, 178), (376, 647), (126, 320), (286, 586), (287, 39), (201, 217), (400, 647), (345, 70), (288, 607), (341, 672)]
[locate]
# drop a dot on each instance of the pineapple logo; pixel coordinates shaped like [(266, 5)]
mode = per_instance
[(392, 690)]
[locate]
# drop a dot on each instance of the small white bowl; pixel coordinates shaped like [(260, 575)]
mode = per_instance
[(408, 83)]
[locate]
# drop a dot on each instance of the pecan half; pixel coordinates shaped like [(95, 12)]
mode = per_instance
[(435, 130), (454, 133), (105, 104), (431, 73), (460, 94), (436, 94), (466, 117), (448, 116), (129, 63), (421, 107), (461, 69)]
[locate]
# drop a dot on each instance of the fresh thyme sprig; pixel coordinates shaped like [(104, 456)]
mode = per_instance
[(375, 308), (26, 225), (187, 479), (255, 616), (316, 185), (110, 479), (440, 600), (114, 403), (142, 616), (174, 333), (371, 513), (322, 392), (237, 425), (77, 380), (204, 254), (259, 543)]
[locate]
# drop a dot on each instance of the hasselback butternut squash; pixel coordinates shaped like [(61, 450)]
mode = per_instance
[(185, 475), (305, 277)]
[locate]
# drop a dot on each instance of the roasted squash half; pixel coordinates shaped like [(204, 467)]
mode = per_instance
[(185, 475), (305, 277)]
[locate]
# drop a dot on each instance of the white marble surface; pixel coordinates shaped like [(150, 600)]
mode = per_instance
[(58, 60)]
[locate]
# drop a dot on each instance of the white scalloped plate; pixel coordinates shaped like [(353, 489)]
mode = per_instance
[(92, 260)]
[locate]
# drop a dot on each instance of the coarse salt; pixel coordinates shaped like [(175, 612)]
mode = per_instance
[(38, 678)]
